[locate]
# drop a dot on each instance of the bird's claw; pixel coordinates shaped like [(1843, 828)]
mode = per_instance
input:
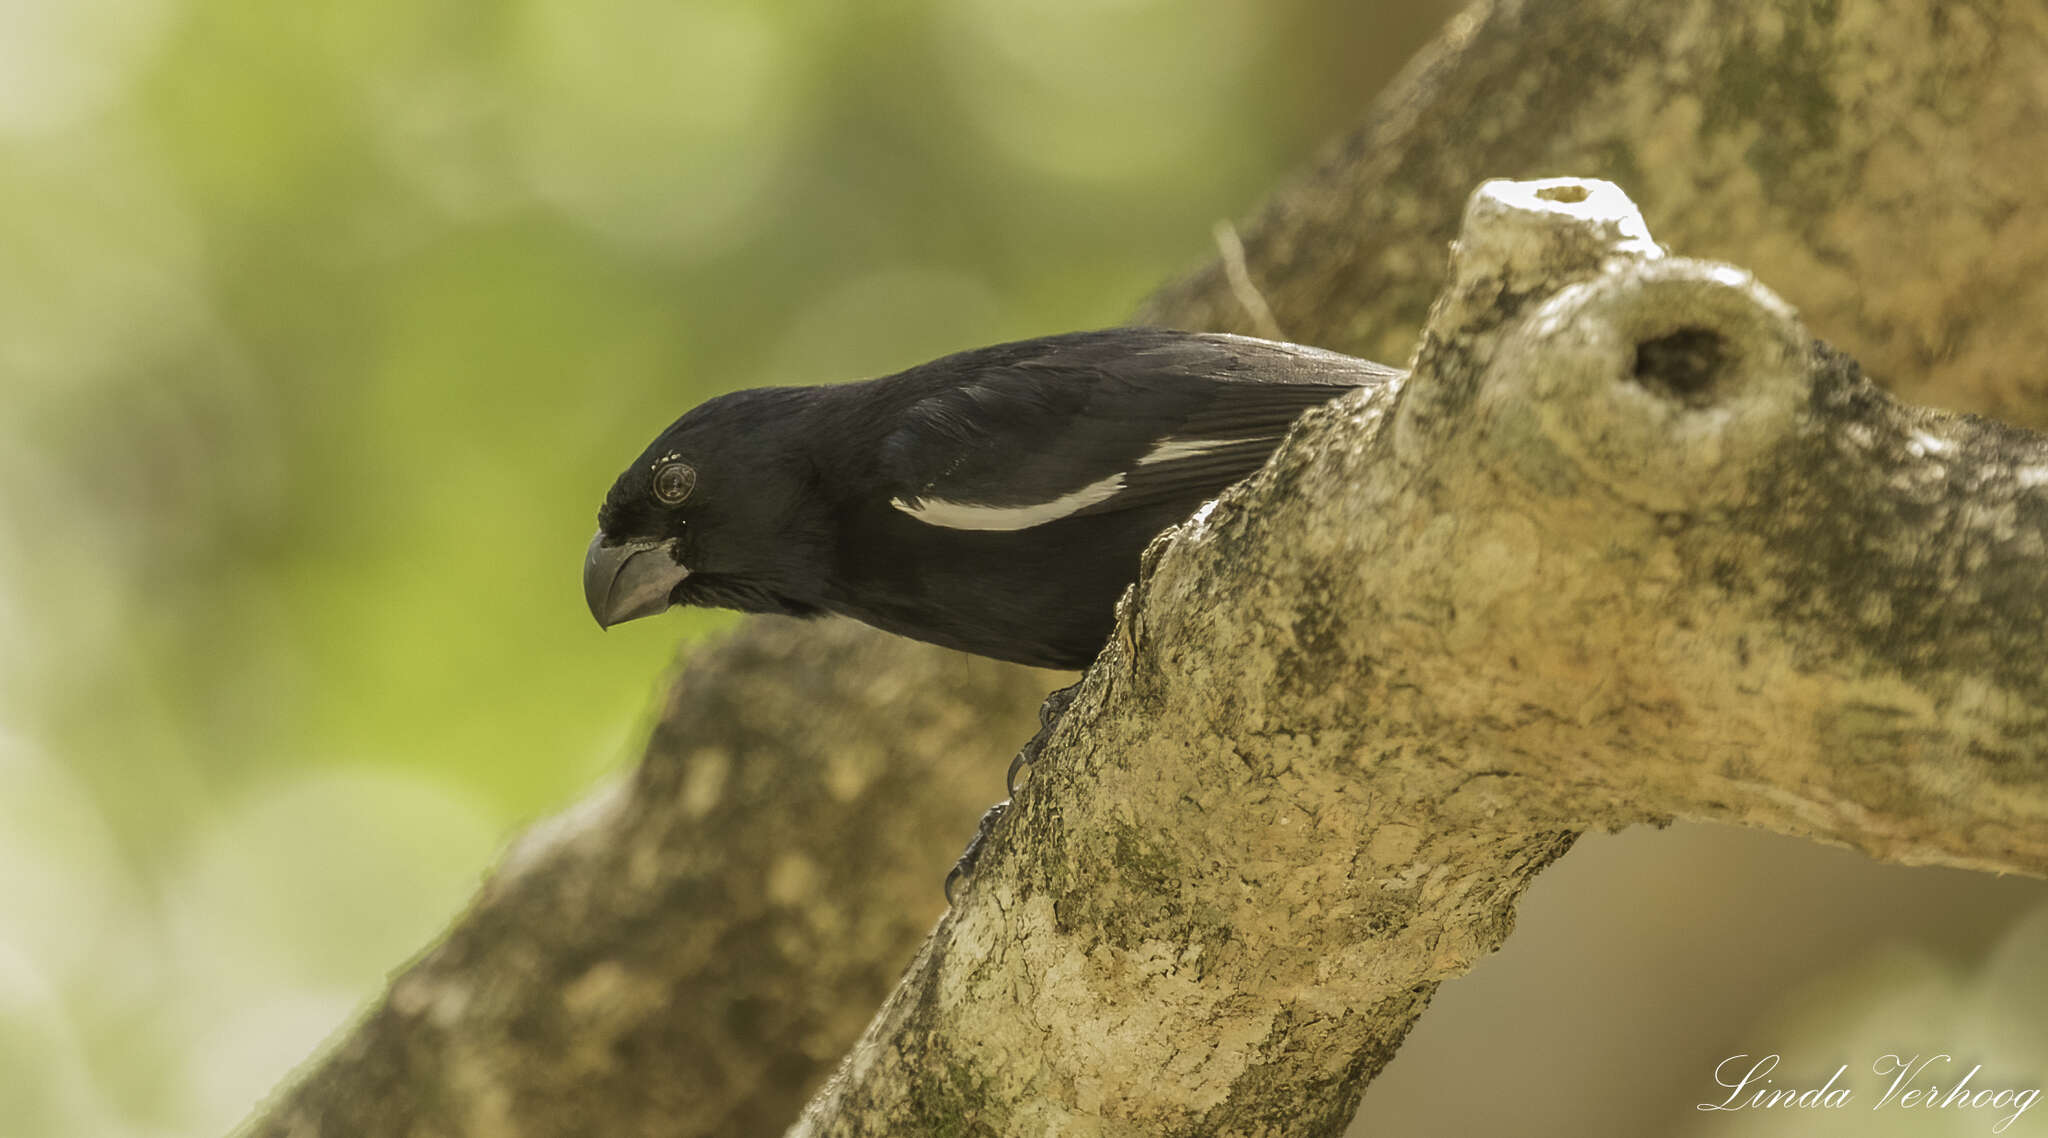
[(1049, 713), (964, 867)]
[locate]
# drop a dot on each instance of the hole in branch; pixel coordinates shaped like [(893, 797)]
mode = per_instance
[(1683, 365), (1566, 194)]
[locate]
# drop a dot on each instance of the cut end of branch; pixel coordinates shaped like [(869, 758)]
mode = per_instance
[(1683, 365)]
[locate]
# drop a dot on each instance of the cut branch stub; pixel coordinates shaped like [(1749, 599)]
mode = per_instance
[(1661, 379), (1519, 241), (1664, 381)]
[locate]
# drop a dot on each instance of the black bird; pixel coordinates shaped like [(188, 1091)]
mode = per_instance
[(994, 501)]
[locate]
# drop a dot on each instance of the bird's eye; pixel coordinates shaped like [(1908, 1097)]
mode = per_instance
[(673, 483)]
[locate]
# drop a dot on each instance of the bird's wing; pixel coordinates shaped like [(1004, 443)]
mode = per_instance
[(1099, 422)]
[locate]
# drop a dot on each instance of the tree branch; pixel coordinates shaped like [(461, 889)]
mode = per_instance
[(1626, 546)]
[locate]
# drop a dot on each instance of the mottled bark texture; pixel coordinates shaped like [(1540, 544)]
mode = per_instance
[(1876, 162), (1627, 546), (1879, 162)]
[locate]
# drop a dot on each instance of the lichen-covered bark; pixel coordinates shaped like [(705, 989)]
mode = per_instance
[(688, 950), (1580, 570), (1879, 162)]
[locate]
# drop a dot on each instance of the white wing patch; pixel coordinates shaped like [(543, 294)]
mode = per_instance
[(967, 515), (970, 516), (1171, 450)]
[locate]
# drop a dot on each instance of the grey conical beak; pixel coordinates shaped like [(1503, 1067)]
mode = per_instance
[(629, 580)]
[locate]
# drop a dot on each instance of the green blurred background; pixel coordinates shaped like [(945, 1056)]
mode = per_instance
[(323, 328)]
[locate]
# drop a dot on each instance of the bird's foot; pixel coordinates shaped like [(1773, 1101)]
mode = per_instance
[(1049, 714), (964, 868)]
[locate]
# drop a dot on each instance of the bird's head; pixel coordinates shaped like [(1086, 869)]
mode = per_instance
[(711, 512)]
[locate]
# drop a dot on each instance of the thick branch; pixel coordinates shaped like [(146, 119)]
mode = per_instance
[(1586, 568)]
